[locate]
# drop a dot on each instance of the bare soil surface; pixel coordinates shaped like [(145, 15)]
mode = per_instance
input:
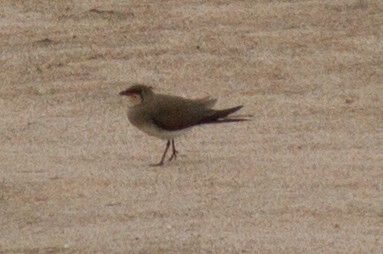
[(304, 176)]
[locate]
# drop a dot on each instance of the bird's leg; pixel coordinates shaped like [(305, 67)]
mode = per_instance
[(163, 156), (174, 151)]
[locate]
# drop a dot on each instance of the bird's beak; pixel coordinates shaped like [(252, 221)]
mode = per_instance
[(125, 93)]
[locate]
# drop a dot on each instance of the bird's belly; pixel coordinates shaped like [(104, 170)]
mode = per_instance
[(163, 134)]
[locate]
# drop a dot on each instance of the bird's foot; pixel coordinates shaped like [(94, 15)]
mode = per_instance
[(174, 155)]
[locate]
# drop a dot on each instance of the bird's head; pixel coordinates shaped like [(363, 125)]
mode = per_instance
[(137, 94)]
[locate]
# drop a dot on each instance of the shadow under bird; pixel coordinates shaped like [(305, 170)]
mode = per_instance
[(167, 117)]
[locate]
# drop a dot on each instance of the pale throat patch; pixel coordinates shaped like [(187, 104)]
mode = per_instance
[(134, 100)]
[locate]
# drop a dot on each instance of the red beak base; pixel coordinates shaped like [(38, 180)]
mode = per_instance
[(125, 93)]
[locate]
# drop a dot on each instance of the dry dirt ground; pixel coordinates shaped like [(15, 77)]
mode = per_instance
[(304, 176)]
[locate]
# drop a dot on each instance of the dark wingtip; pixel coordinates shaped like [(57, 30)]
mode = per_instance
[(232, 110), (219, 114)]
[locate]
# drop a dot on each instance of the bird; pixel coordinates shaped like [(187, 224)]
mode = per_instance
[(168, 117)]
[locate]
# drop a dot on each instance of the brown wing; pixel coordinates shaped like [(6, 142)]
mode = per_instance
[(176, 113)]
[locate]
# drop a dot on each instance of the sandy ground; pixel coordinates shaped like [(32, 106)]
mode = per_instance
[(304, 176)]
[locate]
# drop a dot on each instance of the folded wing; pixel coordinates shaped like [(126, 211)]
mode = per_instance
[(174, 113)]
